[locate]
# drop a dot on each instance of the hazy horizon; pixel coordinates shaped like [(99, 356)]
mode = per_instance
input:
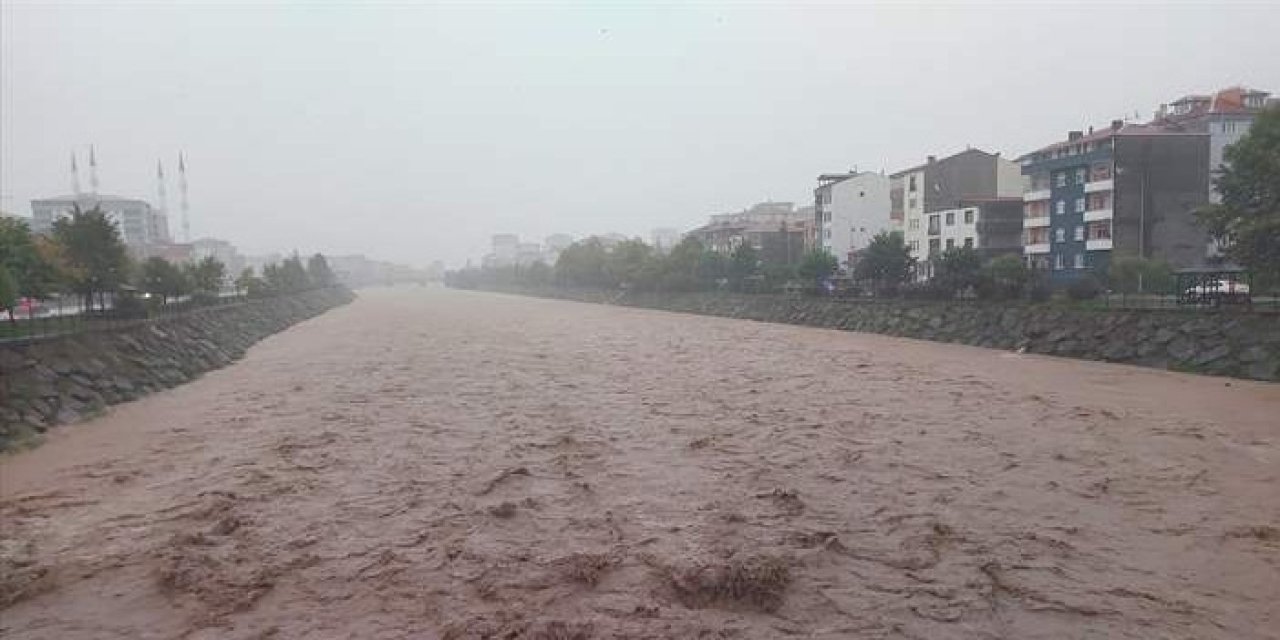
[(413, 133)]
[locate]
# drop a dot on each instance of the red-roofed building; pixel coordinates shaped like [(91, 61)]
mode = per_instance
[(1226, 116)]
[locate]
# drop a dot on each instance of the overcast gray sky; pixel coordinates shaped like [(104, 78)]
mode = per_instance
[(412, 132)]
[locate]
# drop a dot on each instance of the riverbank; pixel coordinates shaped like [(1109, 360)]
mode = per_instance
[(68, 378), (1228, 343)]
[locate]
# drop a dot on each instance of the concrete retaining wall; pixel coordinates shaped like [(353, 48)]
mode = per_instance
[(65, 379)]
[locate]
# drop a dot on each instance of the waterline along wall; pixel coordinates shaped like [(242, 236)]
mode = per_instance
[(1228, 343), (68, 378)]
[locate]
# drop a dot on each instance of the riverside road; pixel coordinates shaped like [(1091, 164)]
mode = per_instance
[(426, 463)]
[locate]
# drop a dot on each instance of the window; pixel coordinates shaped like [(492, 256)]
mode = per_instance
[(1060, 235), (1229, 126), (862, 194), (826, 233), (1099, 201), (1057, 262), (911, 203), (1079, 205), (1101, 171), (1060, 179), (911, 186), (1100, 230), (968, 216), (1060, 207), (1079, 233), (968, 243), (1082, 175), (951, 244), (935, 245), (915, 246), (934, 229), (951, 219), (1079, 261), (914, 224)]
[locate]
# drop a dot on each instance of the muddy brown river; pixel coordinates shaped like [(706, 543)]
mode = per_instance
[(436, 464)]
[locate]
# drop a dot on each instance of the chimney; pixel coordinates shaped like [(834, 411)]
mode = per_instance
[(932, 159), (1090, 129), (1072, 136), (1116, 124)]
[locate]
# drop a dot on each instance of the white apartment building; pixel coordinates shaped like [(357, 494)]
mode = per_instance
[(849, 210), (139, 224)]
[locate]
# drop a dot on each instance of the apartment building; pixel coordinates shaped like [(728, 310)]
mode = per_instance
[(1121, 190), (849, 210), (763, 225), (925, 196), (140, 224), (1226, 116)]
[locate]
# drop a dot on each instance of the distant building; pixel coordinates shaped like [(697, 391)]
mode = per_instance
[(765, 226), (528, 253), (505, 247), (849, 210), (139, 224), (943, 185), (554, 244), (222, 251), (1226, 117), (664, 239), (1122, 190)]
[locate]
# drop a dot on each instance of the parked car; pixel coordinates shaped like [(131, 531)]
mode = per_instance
[(1219, 292)]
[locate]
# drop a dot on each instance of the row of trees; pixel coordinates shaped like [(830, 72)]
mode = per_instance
[(84, 256), (635, 265)]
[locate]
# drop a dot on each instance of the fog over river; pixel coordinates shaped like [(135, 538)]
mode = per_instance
[(428, 463)]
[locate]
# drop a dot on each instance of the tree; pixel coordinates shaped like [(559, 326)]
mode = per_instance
[(245, 281), (96, 259), (162, 278), (817, 265), (626, 262), (582, 264), (1130, 274), (293, 275), (1247, 220), (8, 292), (319, 272), (206, 276), (744, 262), (955, 271), (1003, 278), (30, 274), (886, 262)]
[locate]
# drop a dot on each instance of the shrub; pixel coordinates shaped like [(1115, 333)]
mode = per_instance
[(1085, 287)]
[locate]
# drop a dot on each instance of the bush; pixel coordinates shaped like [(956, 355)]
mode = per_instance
[(1085, 287)]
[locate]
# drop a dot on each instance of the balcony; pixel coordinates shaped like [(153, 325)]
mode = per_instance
[(1034, 196), (1033, 249), (1100, 244), (1097, 214), (1099, 185), (1038, 221)]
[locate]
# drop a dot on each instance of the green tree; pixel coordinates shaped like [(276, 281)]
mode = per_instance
[(292, 276), (582, 264), (246, 280), (626, 262), (1003, 278), (206, 276), (8, 292), (96, 259), (744, 262), (159, 277), (817, 265), (319, 272), (955, 271), (1130, 274), (31, 275), (1247, 220), (886, 262)]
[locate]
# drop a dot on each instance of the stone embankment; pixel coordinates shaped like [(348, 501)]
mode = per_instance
[(65, 379), (1227, 343)]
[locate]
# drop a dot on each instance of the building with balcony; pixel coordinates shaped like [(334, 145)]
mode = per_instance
[(1122, 190), (991, 226), (951, 184), (764, 226), (849, 210)]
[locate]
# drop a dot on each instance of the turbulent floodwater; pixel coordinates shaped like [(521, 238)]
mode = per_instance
[(435, 464)]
